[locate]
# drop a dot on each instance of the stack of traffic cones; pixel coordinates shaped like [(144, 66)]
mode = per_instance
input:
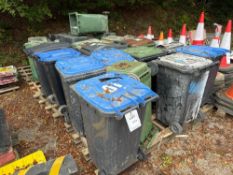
[(224, 100)]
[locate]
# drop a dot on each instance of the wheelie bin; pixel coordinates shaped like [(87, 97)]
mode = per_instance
[(141, 72), (214, 54), (72, 71), (110, 56), (45, 88), (48, 60), (181, 81), (87, 23), (113, 111)]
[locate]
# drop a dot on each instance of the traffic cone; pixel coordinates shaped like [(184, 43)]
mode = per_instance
[(149, 35), (226, 44), (229, 92), (215, 42), (199, 35), (183, 35), (161, 38), (226, 40), (169, 36)]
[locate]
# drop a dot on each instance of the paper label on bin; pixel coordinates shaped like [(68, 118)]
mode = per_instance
[(133, 120), (228, 58)]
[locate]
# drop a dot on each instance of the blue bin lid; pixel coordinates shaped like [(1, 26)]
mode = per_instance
[(203, 51), (112, 93), (58, 54), (79, 66), (110, 56)]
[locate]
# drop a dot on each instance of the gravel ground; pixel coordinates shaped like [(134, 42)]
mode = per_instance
[(205, 148)]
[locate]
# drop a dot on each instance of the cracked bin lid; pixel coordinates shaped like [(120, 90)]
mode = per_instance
[(56, 55), (114, 93), (144, 53), (110, 56), (203, 51), (184, 62), (79, 66)]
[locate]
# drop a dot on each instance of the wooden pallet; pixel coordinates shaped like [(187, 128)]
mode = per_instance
[(54, 108), (9, 88), (25, 72)]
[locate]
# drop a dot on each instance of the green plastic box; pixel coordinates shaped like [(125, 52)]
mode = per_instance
[(142, 72), (87, 23), (146, 53)]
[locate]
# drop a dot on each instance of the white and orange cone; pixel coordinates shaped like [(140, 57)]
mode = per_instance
[(161, 38), (226, 44), (149, 35), (169, 36), (199, 35), (216, 40), (183, 35)]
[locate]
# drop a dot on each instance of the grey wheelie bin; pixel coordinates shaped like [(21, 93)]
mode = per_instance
[(48, 60), (72, 71), (113, 107), (214, 54), (181, 82)]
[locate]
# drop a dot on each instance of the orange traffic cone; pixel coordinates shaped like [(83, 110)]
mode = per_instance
[(199, 35), (169, 36), (229, 92), (161, 38), (183, 35), (226, 44), (149, 35)]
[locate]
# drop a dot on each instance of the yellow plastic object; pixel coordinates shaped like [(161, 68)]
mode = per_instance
[(25, 162), (55, 169)]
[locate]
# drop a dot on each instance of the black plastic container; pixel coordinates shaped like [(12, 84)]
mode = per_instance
[(181, 83)]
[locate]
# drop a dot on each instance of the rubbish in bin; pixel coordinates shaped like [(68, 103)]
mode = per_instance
[(72, 71), (48, 60), (110, 56), (146, 53), (87, 23), (113, 111), (8, 75), (214, 54), (141, 72), (181, 81), (64, 165), (27, 161), (6, 151)]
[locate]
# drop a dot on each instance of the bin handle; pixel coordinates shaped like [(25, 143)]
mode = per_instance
[(121, 114)]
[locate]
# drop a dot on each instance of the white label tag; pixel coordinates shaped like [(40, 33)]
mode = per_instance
[(133, 120), (228, 57)]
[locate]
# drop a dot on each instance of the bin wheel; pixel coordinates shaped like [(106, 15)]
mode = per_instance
[(51, 99), (141, 155), (62, 109), (176, 128), (201, 116), (102, 172)]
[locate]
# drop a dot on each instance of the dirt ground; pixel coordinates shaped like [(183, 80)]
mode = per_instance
[(205, 148)]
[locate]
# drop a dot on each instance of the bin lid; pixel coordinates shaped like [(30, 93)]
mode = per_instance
[(79, 66), (56, 55), (110, 56), (113, 93), (141, 52), (44, 47), (203, 51), (184, 62)]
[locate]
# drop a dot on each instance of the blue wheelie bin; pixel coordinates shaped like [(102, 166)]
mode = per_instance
[(71, 71), (113, 107), (47, 61), (214, 54)]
